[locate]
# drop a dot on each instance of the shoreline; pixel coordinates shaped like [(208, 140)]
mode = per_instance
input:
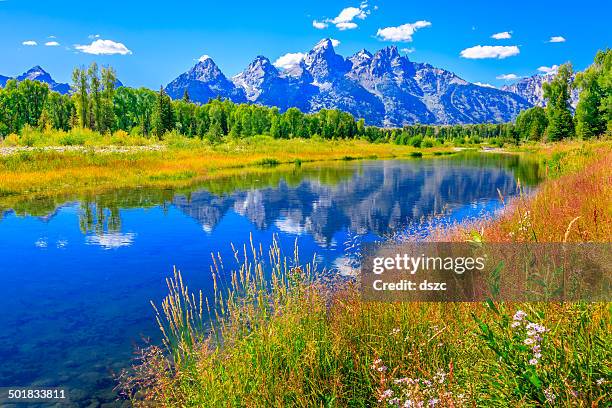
[(46, 173), (374, 350)]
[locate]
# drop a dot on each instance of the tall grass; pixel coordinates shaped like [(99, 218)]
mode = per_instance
[(278, 335)]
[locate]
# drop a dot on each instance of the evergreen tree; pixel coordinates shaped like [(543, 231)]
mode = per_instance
[(557, 95), (164, 114)]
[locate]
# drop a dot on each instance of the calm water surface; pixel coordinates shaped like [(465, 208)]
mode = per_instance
[(77, 276)]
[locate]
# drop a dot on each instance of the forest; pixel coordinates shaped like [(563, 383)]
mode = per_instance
[(96, 104)]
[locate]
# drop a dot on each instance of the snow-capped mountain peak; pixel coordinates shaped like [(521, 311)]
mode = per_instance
[(385, 88)]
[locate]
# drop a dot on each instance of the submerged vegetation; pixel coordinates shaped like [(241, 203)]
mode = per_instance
[(277, 333)]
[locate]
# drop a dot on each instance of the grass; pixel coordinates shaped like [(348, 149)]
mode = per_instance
[(278, 334), (48, 169), (574, 205)]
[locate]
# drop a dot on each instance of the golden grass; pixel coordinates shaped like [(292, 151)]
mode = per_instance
[(40, 173), (573, 205)]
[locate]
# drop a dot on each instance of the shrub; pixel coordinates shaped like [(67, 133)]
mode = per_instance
[(75, 137), (415, 141), (29, 136), (11, 140), (429, 142)]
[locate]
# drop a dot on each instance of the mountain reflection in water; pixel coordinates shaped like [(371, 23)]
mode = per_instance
[(78, 272)]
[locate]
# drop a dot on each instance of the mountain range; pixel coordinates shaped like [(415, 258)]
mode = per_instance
[(384, 88)]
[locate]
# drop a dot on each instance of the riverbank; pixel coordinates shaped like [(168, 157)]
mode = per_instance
[(44, 172), (302, 345)]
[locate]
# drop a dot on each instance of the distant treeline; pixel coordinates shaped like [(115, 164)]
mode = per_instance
[(96, 104)]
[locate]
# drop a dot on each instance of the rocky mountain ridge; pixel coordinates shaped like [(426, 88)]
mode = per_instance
[(384, 88)]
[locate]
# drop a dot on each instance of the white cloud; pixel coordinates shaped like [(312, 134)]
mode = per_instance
[(203, 58), (408, 50), (349, 14), (335, 42), (104, 47), (29, 43), (289, 60), (546, 70), (93, 36), (508, 77), (505, 35), (557, 39), (402, 33), (52, 44), (484, 85), (346, 26), (319, 25), (490, 51), (345, 20)]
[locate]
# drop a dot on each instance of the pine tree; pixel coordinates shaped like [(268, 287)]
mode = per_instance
[(557, 95), (164, 114)]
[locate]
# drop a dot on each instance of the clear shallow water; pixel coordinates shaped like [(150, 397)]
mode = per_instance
[(77, 278)]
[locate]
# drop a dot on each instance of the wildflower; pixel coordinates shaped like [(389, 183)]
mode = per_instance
[(550, 396), (519, 316), (440, 376), (386, 394), (600, 381), (533, 361), (433, 402), (533, 328), (382, 369), (395, 331), (514, 325), (537, 355), (529, 341)]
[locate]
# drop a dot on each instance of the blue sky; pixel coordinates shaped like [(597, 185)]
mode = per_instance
[(150, 42)]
